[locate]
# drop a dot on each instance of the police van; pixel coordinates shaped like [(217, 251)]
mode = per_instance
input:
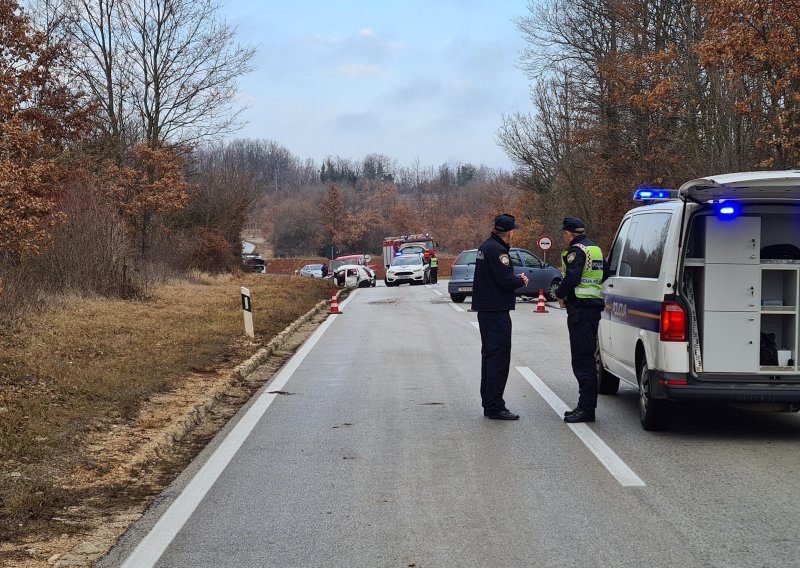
[(703, 296)]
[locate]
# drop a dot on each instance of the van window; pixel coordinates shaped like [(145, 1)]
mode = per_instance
[(644, 245), (616, 250)]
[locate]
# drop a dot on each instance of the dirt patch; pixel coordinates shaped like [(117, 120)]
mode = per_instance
[(132, 463)]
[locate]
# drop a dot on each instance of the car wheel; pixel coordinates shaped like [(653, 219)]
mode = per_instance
[(654, 414), (551, 290), (363, 284), (606, 382), (389, 284), (458, 298)]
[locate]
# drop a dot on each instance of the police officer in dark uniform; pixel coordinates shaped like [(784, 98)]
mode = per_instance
[(493, 297), (584, 271)]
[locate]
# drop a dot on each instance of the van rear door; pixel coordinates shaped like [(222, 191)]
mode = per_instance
[(746, 185)]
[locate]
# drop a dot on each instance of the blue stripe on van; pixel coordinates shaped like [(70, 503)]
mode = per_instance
[(644, 314)]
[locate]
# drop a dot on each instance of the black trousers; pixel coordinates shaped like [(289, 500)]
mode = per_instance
[(434, 275), (495, 358), (582, 324)]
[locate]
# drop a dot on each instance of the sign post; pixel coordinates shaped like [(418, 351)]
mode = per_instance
[(545, 243), (247, 309)]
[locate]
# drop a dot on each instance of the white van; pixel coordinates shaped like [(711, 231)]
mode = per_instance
[(703, 295)]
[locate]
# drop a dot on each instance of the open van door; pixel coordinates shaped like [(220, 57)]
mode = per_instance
[(745, 185)]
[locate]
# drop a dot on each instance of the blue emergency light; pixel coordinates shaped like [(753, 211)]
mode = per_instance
[(728, 209), (645, 193)]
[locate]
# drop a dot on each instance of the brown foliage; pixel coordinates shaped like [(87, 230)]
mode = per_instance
[(37, 114), (150, 182), (207, 250), (760, 43)]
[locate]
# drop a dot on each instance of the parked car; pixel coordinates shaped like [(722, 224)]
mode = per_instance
[(254, 263), (541, 276), (353, 276), (702, 296), (312, 270), (410, 268)]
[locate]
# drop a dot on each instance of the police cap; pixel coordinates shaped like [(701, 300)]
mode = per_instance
[(573, 225), (504, 223)]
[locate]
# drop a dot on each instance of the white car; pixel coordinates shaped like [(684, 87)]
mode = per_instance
[(312, 270), (353, 276), (407, 268)]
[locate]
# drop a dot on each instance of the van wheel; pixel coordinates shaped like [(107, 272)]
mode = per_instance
[(654, 414), (551, 290), (606, 382), (458, 298)]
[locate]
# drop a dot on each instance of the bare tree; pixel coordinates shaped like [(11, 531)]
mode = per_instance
[(163, 71)]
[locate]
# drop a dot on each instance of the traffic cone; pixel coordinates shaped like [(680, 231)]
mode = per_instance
[(540, 309), (334, 304)]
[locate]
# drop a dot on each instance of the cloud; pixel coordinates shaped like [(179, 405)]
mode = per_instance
[(363, 121), (366, 32), (359, 70)]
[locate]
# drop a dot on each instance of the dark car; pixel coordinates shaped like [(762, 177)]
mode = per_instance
[(254, 263), (541, 276)]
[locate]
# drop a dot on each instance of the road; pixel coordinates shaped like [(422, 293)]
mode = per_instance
[(381, 457)]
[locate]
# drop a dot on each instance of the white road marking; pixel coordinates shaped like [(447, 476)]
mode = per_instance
[(455, 307), (612, 462), (153, 545), (438, 293), (476, 325)]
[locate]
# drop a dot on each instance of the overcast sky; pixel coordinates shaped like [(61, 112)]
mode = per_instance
[(406, 78)]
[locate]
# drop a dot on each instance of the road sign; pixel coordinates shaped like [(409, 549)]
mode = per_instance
[(331, 252), (545, 243)]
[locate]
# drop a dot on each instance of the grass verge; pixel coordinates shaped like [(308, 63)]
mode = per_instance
[(87, 366)]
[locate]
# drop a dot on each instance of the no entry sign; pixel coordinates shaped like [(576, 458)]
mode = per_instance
[(545, 243)]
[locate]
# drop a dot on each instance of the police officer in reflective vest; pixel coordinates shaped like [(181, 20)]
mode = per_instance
[(493, 297), (584, 270), (434, 269)]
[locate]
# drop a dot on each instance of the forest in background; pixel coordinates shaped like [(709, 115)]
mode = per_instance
[(632, 93), (113, 173)]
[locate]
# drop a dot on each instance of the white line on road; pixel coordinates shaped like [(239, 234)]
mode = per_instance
[(476, 325), (455, 307), (437, 292), (153, 545), (598, 447)]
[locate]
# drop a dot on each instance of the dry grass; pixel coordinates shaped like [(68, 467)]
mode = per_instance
[(85, 366)]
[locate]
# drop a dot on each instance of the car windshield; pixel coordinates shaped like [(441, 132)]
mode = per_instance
[(406, 260), (466, 257), (410, 249)]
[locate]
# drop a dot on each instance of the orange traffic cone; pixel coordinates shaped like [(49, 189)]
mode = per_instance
[(334, 304), (540, 309)]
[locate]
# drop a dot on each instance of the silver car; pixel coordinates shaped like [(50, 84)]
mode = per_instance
[(312, 270)]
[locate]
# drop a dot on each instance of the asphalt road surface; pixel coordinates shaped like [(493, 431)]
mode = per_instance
[(381, 457)]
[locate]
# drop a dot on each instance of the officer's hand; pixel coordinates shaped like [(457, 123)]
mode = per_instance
[(561, 303), (524, 279)]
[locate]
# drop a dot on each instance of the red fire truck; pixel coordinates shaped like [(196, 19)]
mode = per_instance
[(404, 244)]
